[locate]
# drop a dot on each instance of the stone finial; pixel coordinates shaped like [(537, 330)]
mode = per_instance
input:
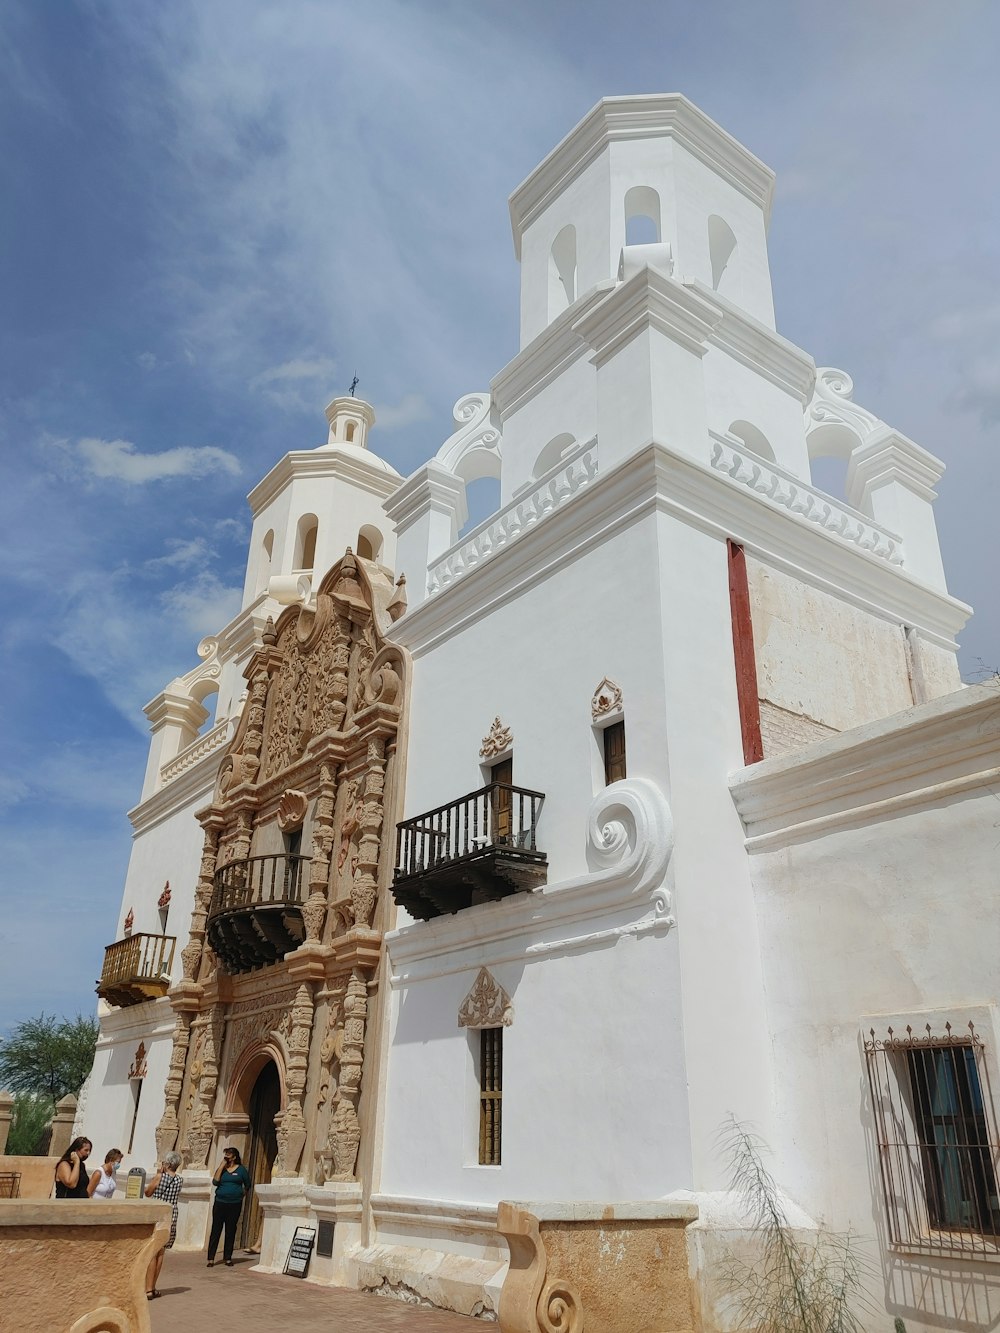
[(6, 1116), (269, 636), (397, 607), (62, 1125)]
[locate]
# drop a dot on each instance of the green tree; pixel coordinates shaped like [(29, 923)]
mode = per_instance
[(48, 1056), (29, 1126)]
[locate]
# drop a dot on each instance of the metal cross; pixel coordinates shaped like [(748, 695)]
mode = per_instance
[(354, 383)]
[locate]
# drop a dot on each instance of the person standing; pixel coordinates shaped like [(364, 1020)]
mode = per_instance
[(232, 1185), (103, 1183), (72, 1179), (166, 1186)]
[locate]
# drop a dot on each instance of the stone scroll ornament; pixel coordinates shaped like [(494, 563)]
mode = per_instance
[(607, 699), (496, 741)]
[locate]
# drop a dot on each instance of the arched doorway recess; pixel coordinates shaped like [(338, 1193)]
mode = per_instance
[(262, 1149)]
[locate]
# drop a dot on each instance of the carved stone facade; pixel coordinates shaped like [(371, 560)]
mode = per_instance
[(293, 860), (487, 1005)]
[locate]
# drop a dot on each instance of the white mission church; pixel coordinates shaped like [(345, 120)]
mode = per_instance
[(516, 863)]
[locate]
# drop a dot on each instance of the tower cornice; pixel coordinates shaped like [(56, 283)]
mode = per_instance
[(615, 119)]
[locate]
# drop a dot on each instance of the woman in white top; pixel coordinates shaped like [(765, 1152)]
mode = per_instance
[(103, 1183)]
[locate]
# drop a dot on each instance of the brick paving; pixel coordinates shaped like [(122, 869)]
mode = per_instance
[(236, 1300)]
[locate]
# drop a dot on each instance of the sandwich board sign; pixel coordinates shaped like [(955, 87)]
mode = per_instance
[(299, 1251)]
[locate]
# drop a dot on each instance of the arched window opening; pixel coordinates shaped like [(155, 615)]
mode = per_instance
[(264, 561), (755, 440), (724, 255), (351, 427), (369, 545), (305, 543), (556, 449), (562, 271), (642, 216), (830, 447), (482, 498), (207, 694)]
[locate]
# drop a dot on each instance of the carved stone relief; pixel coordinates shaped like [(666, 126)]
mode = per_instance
[(607, 699), (496, 741), (487, 1004)]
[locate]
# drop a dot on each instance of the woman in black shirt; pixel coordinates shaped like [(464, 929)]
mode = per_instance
[(72, 1178)]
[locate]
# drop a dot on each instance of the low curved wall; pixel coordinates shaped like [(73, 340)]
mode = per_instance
[(78, 1266)]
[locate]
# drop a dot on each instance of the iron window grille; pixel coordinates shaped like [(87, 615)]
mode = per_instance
[(937, 1139)]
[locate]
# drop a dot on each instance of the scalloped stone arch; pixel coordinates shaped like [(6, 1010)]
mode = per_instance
[(247, 1070)]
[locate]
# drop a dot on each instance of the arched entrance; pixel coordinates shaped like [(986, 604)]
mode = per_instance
[(262, 1149)]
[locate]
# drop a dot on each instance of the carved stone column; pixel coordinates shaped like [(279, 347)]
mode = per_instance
[(192, 951), (169, 1126), (364, 888), (292, 1133), (314, 909), (344, 1136), (205, 1081), (254, 737)]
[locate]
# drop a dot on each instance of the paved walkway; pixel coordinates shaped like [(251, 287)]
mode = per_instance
[(235, 1300)]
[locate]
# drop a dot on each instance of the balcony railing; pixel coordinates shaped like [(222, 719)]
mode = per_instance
[(136, 968), (256, 912), (476, 849)]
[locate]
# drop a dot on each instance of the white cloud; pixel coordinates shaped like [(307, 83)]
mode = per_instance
[(119, 460), (202, 605), (412, 407), (183, 555), (147, 360), (302, 383)]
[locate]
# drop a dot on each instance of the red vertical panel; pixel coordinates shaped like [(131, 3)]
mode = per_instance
[(743, 654)]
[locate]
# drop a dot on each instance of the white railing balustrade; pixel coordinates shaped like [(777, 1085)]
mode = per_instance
[(571, 474), (779, 486), (198, 749)]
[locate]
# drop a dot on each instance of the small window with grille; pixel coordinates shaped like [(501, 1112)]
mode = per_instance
[(937, 1138), (490, 1095), (614, 752)]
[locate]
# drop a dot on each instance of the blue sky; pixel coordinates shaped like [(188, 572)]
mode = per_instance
[(213, 213)]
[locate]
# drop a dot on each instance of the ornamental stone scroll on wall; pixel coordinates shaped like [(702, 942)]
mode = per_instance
[(498, 740), (607, 700), (487, 1005)]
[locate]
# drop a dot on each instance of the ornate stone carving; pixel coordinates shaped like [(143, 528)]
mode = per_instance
[(292, 810), (163, 902), (344, 1136), (607, 699), (487, 1004), (138, 1067), (129, 922), (292, 1133), (496, 741)]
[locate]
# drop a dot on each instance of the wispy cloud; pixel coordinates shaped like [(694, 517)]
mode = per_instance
[(182, 555), (120, 460), (412, 407), (301, 383)]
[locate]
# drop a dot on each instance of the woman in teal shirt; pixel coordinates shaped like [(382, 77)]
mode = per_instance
[(232, 1184)]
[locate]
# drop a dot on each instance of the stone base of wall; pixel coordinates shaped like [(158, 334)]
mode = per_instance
[(78, 1266)]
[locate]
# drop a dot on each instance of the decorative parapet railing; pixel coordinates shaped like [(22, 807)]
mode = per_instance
[(779, 486), (136, 968), (197, 750), (572, 473), (259, 881)]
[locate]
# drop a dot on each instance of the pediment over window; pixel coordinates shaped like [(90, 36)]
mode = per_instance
[(487, 1005)]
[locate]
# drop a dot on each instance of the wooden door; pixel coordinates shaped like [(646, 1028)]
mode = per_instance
[(265, 1103), (502, 775)]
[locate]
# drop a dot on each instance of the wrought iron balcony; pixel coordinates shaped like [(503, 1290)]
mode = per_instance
[(136, 968), (473, 850), (256, 912)]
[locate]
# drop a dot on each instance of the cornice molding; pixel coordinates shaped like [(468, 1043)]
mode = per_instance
[(656, 478), (431, 487), (616, 119), (755, 345), (326, 461), (194, 786), (649, 299), (927, 753), (887, 456), (549, 354)]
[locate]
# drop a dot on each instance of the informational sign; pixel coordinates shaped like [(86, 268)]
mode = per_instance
[(299, 1252), (135, 1183)]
